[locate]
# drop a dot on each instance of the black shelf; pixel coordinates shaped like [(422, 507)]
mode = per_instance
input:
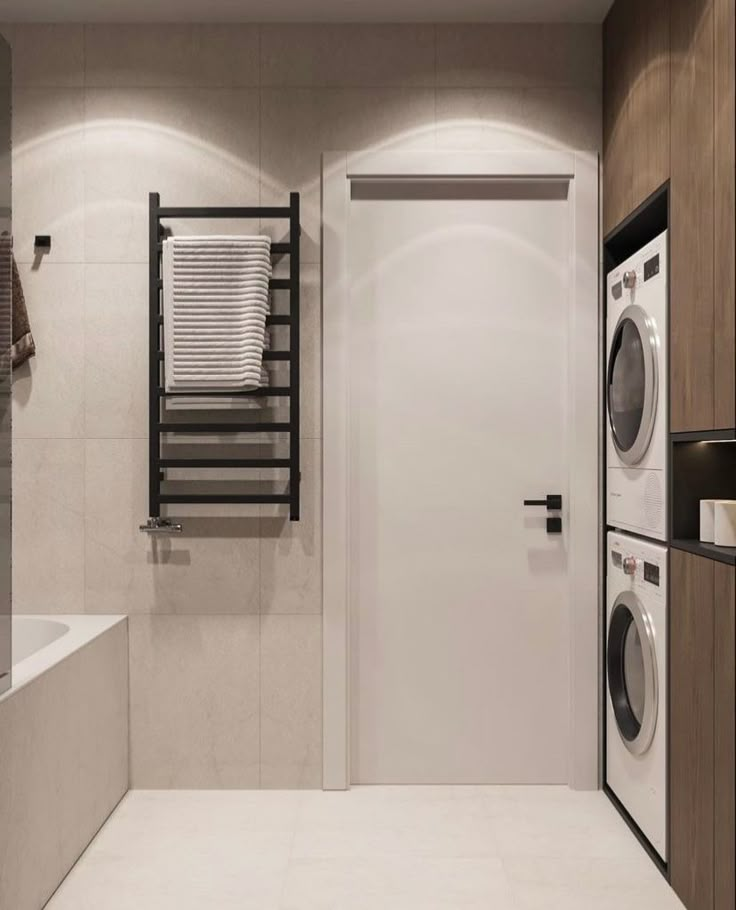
[(728, 434), (708, 550)]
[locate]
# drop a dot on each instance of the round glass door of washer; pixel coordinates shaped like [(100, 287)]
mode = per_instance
[(632, 672), (632, 384)]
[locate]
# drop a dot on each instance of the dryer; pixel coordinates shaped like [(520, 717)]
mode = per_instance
[(636, 392), (636, 683)]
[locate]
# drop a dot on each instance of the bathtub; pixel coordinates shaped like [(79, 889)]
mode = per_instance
[(63, 747)]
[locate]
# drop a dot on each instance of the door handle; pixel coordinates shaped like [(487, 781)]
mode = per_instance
[(552, 502)]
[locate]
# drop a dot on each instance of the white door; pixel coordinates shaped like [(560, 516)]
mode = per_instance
[(459, 303)]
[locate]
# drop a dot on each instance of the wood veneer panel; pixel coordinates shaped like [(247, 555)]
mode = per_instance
[(650, 97), (692, 580), (692, 216), (725, 738), (617, 157), (725, 220)]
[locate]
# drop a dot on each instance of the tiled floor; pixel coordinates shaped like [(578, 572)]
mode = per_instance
[(393, 848)]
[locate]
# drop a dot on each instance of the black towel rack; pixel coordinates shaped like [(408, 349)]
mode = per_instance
[(158, 427)]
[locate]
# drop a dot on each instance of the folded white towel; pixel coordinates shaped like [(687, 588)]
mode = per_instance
[(215, 302)]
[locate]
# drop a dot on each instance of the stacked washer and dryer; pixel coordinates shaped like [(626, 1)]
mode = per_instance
[(637, 483)]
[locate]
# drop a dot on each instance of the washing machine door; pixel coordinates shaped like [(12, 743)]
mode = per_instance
[(632, 672), (632, 384)]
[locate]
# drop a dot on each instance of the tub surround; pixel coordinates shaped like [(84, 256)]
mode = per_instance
[(63, 751)]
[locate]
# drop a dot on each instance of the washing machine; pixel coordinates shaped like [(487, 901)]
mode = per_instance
[(636, 683), (636, 392)]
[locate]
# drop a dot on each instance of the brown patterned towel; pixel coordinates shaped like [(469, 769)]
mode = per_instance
[(23, 344)]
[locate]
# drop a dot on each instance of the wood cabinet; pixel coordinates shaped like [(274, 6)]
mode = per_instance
[(668, 113), (636, 105), (724, 749), (702, 756), (702, 241)]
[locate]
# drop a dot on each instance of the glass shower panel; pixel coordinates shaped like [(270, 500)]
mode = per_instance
[(5, 364)]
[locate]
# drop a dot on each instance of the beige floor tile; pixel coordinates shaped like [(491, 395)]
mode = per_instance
[(225, 849)]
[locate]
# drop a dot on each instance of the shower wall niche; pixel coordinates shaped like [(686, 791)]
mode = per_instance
[(5, 364)]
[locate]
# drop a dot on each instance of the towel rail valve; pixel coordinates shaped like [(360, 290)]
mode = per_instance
[(160, 526)]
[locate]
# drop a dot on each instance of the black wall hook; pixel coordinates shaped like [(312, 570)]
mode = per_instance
[(42, 243)]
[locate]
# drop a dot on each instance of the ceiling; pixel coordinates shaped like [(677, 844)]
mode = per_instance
[(303, 10)]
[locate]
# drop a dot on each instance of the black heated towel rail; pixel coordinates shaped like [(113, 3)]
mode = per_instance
[(159, 463)]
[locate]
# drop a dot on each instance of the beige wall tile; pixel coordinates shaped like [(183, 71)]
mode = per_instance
[(291, 701), (519, 55), (211, 568), (194, 694), (63, 766), (48, 172), (116, 345), (48, 390), (193, 146), (291, 551), (347, 55), (488, 118), (46, 55), (298, 125), (171, 55), (48, 525)]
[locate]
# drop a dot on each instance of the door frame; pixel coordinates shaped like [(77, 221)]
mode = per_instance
[(581, 171)]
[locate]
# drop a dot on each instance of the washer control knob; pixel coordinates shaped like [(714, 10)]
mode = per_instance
[(629, 279), (630, 565)]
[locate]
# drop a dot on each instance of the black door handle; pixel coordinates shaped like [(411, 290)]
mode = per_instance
[(552, 502)]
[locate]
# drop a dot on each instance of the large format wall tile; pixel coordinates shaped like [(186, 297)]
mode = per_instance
[(298, 125), (513, 118), (116, 346), (48, 390), (170, 55), (48, 172), (291, 551), (194, 146), (194, 696), (347, 55), (46, 56), (211, 568), (518, 55), (48, 525), (291, 701)]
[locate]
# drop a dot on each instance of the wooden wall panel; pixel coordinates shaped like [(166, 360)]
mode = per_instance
[(725, 220), (692, 216), (725, 738), (692, 580), (617, 77), (649, 117)]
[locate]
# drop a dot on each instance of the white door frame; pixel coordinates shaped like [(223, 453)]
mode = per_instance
[(580, 169)]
